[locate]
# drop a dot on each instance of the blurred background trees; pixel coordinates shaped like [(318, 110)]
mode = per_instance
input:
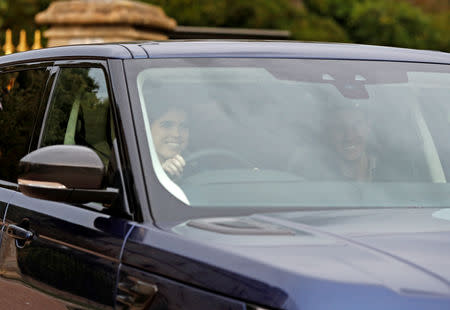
[(3, 10), (404, 23), (19, 14)]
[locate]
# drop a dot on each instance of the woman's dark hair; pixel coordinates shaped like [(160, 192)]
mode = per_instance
[(156, 111)]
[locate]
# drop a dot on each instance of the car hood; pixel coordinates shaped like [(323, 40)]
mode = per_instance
[(375, 258)]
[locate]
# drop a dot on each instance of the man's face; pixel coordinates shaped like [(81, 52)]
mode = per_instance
[(348, 132), (170, 133)]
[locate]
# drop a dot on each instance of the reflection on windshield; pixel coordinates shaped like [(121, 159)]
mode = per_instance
[(284, 132)]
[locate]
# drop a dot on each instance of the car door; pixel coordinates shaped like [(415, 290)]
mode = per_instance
[(62, 255), (153, 276), (22, 89)]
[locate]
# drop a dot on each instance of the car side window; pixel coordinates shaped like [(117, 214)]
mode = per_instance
[(20, 96), (80, 112)]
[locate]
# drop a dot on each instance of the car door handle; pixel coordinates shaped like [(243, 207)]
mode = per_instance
[(19, 233)]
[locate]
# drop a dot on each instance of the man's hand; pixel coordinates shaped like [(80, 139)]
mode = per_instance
[(174, 166)]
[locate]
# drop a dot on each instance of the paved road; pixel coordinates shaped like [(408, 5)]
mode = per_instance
[(17, 297)]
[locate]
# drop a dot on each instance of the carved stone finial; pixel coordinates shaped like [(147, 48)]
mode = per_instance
[(80, 21)]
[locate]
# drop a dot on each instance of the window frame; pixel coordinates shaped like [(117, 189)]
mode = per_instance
[(57, 66)]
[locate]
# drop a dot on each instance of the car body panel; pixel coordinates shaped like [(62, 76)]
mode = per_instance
[(166, 254), (336, 253), (143, 290), (74, 254)]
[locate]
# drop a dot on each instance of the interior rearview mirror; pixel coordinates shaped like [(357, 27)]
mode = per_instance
[(67, 173)]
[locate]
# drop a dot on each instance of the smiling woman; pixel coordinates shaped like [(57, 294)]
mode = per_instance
[(170, 134)]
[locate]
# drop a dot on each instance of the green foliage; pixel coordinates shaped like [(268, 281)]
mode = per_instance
[(20, 99), (269, 14), (386, 22), (380, 22), (383, 22), (311, 27), (3, 10), (441, 29), (435, 6), (335, 9), (73, 84), (228, 13), (77, 85), (19, 14)]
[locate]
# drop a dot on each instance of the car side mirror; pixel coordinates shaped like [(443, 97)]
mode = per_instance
[(66, 173)]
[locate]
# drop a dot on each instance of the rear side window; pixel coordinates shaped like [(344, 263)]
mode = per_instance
[(20, 96), (80, 112)]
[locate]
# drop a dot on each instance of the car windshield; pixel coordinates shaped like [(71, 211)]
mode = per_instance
[(260, 132)]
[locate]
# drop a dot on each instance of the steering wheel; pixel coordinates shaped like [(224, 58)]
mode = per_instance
[(214, 158)]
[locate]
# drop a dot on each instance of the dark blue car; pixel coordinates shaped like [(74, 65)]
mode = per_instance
[(225, 175)]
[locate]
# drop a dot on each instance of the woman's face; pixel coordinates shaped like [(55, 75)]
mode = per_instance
[(170, 133)]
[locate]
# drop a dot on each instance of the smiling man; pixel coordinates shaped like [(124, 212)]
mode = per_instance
[(347, 130)]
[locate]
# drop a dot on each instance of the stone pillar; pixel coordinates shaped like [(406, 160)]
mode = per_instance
[(102, 21)]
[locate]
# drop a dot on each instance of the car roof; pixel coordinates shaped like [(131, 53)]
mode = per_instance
[(290, 49), (88, 51), (229, 48)]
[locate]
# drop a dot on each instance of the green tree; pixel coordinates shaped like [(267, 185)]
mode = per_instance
[(20, 94), (228, 13), (3, 10), (386, 22), (337, 10), (280, 14), (406, 23), (312, 27), (441, 29), (19, 14)]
